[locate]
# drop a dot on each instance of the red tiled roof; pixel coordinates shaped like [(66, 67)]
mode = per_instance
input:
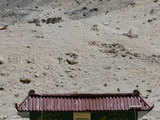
[(83, 102)]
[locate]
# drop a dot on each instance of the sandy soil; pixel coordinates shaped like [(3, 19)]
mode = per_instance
[(96, 46)]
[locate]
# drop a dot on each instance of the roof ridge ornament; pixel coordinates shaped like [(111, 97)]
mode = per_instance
[(136, 92), (31, 92)]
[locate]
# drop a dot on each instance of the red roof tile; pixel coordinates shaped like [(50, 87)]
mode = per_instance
[(83, 102)]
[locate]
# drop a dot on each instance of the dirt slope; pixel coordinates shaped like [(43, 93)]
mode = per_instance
[(91, 46)]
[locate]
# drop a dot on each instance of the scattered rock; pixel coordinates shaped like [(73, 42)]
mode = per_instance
[(118, 68), (75, 84), (2, 74), (130, 34), (4, 27), (158, 100), (151, 20), (146, 97), (61, 75), (60, 26), (71, 61), (114, 48), (16, 95), (43, 20), (118, 89), (39, 36), (77, 2), (149, 91), (135, 54), (143, 81), (29, 61), (72, 75), (106, 12), (151, 11), (54, 20), (60, 59), (28, 46), (125, 79), (35, 21), (25, 80), (155, 1), (72, 55), (93, 10), (2, 61), (67, 71), (3, 117), (36, 75), (56, 85), (132, 3), (123, 55), (71, 58), (92, 43), (44, 73), (95, 28), (85, 14), (117, 28), (107, 68), (1, 88), (105, 85)]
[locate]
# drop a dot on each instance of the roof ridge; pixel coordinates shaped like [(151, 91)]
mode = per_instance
[(134, 93)]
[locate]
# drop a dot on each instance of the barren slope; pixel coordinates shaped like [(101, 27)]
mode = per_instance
[(89, 50)]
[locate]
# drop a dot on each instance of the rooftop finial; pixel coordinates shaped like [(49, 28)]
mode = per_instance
[(136, 92), (31, 92)]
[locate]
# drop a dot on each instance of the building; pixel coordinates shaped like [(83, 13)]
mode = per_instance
[(118, 106)]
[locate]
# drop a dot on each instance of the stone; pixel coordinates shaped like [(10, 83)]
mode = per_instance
[(94, 10), (43, 20), (36, 75), (107, 67), (149, 20), (16, 95), (155, 1), (3, 117), (71, 61), (135, 55), (95, 28), (149, 91), (4, 27), (137, 86), (2, 61), (35, 21), (118, 89), (123, 55), (151, 11), (60, 59), (130, 34), (54, 20), (105, 85), (72, 55), (25, 80), (1, 88)]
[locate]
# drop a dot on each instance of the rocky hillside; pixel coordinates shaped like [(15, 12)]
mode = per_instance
[(88, 46)]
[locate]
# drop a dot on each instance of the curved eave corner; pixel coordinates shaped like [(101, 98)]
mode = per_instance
[(16, 106), (150, 108)]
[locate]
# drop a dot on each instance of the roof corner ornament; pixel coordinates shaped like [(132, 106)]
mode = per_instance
[(136, 92), (16, 105), (31, 92)]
